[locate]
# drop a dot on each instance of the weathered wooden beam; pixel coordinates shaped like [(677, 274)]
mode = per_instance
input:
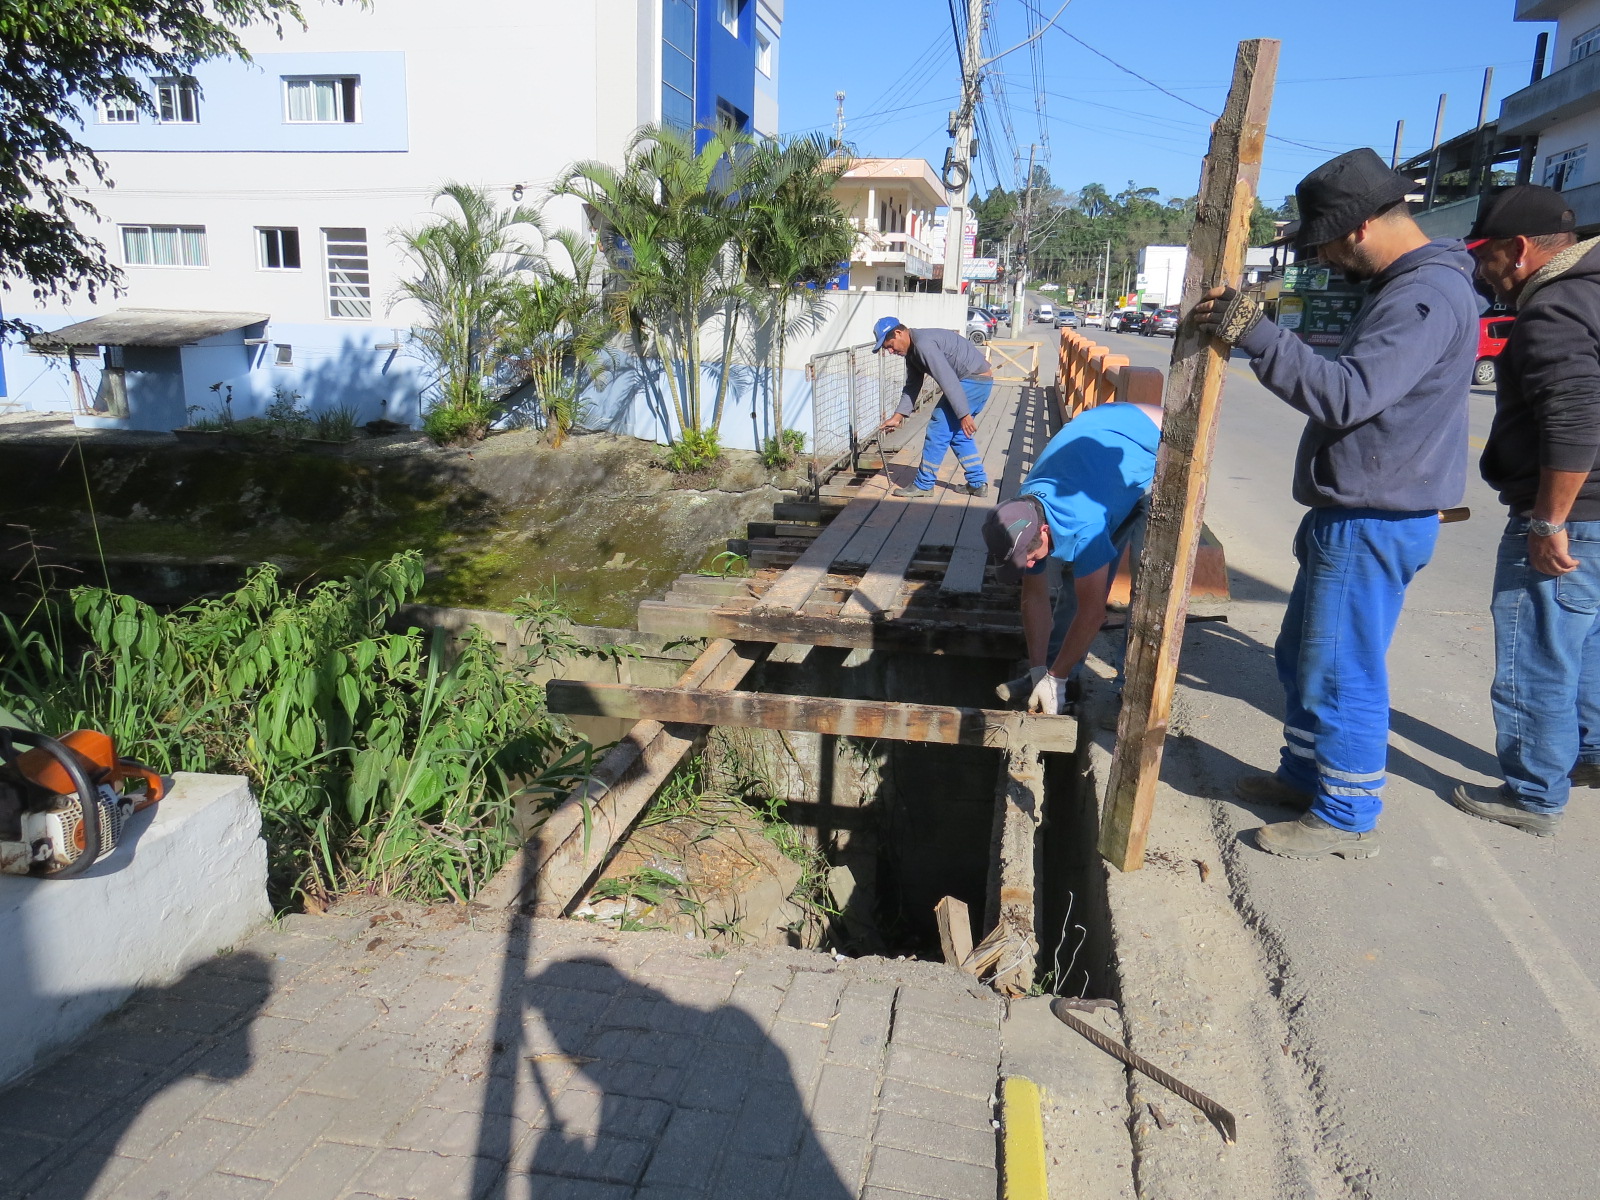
[(1011, 947), (579, 835), (926, 636), (955, 930), (1177, 501), (814, 714)]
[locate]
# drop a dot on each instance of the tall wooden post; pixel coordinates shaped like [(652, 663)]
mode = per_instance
[(1177, 502)]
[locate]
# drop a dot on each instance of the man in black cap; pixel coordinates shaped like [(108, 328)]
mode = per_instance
[(1383, 451), (1542, 458)]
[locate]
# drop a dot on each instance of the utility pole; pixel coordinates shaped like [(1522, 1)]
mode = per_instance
[(958, 160), (1020, 290)]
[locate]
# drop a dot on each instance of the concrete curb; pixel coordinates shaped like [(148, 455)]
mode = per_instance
[(1024, 1176)]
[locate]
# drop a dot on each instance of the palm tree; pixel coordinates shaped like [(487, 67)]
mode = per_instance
[(795, 237), (465, 263), (668, 221), (556, 329)]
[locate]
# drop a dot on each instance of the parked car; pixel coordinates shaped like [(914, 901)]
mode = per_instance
[(997, 316), (1067, 319), (979, 327), (1047, 313), (1493, 330), (1163, 320)]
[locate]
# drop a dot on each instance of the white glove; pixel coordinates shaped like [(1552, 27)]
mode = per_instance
[(1049, 696)]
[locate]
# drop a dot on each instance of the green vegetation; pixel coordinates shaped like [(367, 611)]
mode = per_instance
[(384, 762), (695, 450), (783, 451)]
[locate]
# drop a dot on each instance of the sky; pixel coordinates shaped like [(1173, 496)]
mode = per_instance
[(1349, 69)]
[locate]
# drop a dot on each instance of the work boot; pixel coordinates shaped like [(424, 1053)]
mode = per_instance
[(913, 492), (1312, 837), (1586, 775), (1498, 804), (1273, 790), (979, 490)]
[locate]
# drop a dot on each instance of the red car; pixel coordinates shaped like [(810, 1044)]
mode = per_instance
[(1493, 330)]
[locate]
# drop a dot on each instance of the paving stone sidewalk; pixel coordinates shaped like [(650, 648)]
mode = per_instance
[(383, 1055)]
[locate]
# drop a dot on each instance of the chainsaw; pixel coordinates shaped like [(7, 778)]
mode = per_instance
[(63, 804)]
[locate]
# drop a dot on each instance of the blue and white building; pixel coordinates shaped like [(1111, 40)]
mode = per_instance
[(254, 213)]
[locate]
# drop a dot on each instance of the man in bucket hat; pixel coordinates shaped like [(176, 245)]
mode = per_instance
[(963, 375), (1541, 457), (1081, 505), (1383, 451)]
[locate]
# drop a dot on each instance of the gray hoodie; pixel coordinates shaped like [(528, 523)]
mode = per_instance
[(1388, 427), (949, 357)]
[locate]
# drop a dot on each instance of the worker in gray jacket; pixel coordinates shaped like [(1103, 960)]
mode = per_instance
[(963, 375), (1384, 450)]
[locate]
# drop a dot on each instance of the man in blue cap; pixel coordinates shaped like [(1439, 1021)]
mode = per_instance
[(1384, 450), (963, 375)]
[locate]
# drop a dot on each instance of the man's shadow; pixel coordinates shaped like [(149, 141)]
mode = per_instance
[(643, 1091), (62, 1124)]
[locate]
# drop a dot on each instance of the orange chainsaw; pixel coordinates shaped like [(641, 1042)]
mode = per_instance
[(47, 790)]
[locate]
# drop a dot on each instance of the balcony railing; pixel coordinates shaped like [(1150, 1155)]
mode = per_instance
[(1566, 93)]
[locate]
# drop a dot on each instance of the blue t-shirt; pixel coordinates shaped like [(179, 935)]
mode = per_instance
[(1090, 477)]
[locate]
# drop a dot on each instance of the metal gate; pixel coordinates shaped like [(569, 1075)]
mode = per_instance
[(853, 391)]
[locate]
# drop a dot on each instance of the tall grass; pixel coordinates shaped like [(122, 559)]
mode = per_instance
[(384, 762)]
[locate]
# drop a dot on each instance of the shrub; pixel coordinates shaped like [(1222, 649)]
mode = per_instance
[(458, 424), (384, 762), (695, 450), (783, 451), (338, 425)]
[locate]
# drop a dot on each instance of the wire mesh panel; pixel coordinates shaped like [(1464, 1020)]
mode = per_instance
[(853, 391)]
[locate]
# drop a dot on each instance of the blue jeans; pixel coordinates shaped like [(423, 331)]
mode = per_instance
[(1129, 533), (944, 428), (1546, 666), (1355, 565)]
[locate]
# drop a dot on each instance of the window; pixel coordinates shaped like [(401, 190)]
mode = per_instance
[(1585, 44), (763, 53), (284, 356), (322, 100), (280, 249), (164, 245), (731, 117), (116, 110), (728, 15), (1564, 170), (349, 274), (177, 101), (677, 62)]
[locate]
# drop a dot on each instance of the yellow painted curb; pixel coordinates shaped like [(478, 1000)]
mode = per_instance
[(1022, 1130)]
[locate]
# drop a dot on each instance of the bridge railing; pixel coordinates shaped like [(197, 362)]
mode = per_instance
[(1089, 374)]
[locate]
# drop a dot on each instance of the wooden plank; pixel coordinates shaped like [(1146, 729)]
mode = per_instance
[(814, 714), (954, 636), (1177, 501), (955, 930), (579, 834), (970, 555), (1010, 948)]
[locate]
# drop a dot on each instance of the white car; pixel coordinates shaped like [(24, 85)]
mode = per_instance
[(1047, 313)]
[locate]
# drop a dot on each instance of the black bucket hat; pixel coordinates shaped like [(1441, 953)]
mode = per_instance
[(1341, 194)]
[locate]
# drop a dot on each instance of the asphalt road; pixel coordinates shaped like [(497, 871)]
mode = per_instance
[(1441, 997)]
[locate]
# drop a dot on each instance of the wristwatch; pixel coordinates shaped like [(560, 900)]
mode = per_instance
[(1544, 528)]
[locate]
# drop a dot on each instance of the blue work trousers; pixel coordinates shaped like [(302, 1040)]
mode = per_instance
[(944, 429), (1355, 565), (1546, 692)]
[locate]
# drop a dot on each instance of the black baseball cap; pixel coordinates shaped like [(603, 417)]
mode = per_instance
[(1342, 193), (1010, 531), (1526, 210)]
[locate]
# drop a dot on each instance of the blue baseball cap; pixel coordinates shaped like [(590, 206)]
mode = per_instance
[(884, 327)]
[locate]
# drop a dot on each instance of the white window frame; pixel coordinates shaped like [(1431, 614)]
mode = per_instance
[(1565, 170), (179, 86), (763, 52), (264, 233), (1584, 45), (117, 110), (283, 354), (179, 231), (347, 99), (728, 15), (345, 277)]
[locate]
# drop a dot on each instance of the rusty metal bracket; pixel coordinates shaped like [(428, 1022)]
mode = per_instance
[(1219, 1116)]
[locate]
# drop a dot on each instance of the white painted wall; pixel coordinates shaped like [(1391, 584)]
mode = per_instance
[(190, 879), (1581, 130), (1577, 20)]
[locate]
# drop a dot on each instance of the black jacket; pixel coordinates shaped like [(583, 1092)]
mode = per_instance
[(1547, 390)]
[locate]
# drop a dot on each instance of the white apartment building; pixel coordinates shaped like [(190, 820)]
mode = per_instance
[(1562, 110), (254, 215), (891, 202)]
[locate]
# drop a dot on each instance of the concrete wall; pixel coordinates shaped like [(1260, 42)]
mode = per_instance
[(190, 879)]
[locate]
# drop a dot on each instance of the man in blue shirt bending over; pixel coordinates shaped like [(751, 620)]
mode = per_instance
[(1080, 505)]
